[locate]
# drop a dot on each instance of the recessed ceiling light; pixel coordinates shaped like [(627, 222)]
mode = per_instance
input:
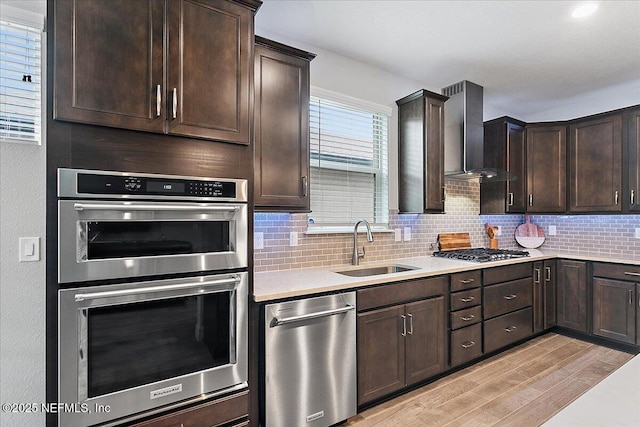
[(583, 10)]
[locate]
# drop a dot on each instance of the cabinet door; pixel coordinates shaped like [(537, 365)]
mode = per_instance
[(550, 298), (515, 200), (633, 126), (108, 63), (434, 156), (638, 313), (572, 295), (209, 65), (426, 343), (614, 311), (381, 352), (546, 168), (595, 165), (538, 298), (281, 131)]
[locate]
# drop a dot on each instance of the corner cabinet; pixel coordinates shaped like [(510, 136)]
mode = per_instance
[(546, 168), (178, 67), (281, 127), (401, 336), (595, 165), (421, 153), (632, 124), (572, 295), (504, 149)]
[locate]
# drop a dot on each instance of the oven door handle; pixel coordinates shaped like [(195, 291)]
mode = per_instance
[(156, 289), (284, 320), (152, 207)]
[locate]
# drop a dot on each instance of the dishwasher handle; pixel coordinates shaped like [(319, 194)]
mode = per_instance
[(285, 320)]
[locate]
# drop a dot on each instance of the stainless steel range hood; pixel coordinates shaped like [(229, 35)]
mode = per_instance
[(464, 134)]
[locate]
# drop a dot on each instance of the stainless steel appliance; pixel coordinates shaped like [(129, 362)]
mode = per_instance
[(310, 361), (158, 224), (481, 254), (131, 344)]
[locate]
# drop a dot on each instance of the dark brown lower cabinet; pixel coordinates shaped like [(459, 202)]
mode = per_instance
[(572, 295), (614, 310), (507, 329), (544, 295), (638, 313), (466, 344), (399, 346)]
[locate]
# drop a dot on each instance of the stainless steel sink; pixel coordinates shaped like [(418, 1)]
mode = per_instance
[(374, 271)]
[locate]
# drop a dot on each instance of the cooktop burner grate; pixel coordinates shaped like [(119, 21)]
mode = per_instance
[(481, 254)]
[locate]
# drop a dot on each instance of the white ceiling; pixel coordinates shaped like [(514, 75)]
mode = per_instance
[(531, 57)]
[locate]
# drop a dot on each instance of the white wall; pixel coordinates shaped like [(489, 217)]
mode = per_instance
[(22, 284)]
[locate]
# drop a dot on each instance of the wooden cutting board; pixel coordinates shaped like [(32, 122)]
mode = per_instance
[(452, 241), (529, 235)]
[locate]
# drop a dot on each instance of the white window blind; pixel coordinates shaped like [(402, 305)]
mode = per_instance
[(20, 82), (349, 178)]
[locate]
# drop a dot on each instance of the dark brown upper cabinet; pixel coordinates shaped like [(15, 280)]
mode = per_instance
[(111, 66), (504, 149), (595, 165), (546, 168), (281, 127), (421, 152), (632, 193)]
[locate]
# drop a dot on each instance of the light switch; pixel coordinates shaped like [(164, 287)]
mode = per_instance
[(407, 234), (398, 233), (29, 249), (293, 238), (552, 230)]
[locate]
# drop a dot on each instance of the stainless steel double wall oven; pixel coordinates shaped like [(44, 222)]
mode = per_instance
[(153, 292)]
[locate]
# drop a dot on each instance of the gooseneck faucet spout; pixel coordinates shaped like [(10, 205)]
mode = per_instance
[(355, 258)]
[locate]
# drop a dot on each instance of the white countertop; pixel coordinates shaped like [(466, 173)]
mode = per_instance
[(615, 401), (273, 285)]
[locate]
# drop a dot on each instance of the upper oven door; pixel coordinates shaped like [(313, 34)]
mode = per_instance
[(111, 239)]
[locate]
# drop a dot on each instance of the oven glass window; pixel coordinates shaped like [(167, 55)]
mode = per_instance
[(135, 344), (120, 239)]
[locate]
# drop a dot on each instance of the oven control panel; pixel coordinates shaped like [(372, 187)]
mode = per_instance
[(96, 184)]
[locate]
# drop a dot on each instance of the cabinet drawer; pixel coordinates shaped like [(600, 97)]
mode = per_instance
[(629, 273), (507, 329), (466, 280), (466, 344), (218, 412), (397, 293), (465, 299), (506, 273), (466, 317), (507, 297)]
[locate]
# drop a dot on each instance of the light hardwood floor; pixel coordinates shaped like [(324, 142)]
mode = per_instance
[(524, 386)]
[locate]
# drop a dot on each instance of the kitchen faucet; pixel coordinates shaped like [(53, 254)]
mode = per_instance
[(355, 258)]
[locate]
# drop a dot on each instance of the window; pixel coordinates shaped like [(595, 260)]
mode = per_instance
[(349, 178), (20, 77)]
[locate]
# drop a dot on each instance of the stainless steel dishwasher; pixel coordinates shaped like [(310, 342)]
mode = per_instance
[(310, 361)]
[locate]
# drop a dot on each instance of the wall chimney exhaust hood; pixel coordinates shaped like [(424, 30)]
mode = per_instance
[(464, 134)]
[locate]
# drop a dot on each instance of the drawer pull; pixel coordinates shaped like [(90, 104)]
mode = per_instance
[(511, 329), (469, 299), (468, 344), (467, 318), (628, 273), (510, 297), (467, 281)]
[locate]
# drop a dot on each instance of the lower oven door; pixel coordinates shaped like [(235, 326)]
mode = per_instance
[(130, 348)]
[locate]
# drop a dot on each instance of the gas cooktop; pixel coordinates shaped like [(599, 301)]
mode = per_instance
[(481, 254)]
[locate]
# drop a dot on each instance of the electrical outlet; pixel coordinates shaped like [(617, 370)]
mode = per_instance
[(499, 230), (398, 233), (258, 240), (407, 234), (552, 230), (637, 233), (293, 238)]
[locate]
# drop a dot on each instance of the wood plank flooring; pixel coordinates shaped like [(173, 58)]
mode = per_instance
[(524, 386)]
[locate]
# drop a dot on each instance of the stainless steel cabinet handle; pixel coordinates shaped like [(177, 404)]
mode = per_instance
[(467, 318), (404, 325), (156, 289), (630, 297), (511, 329), (510, 297), (510, 202), (530, 199), (175, 103), (633, 197), (537, 278), (158, 101), (410, 324), (305, 186), (156, 207), (444, 194), (314, 315), (628, 273), (466, 282), (616, 197), (468, 344), (469, 299), (547, 274)]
